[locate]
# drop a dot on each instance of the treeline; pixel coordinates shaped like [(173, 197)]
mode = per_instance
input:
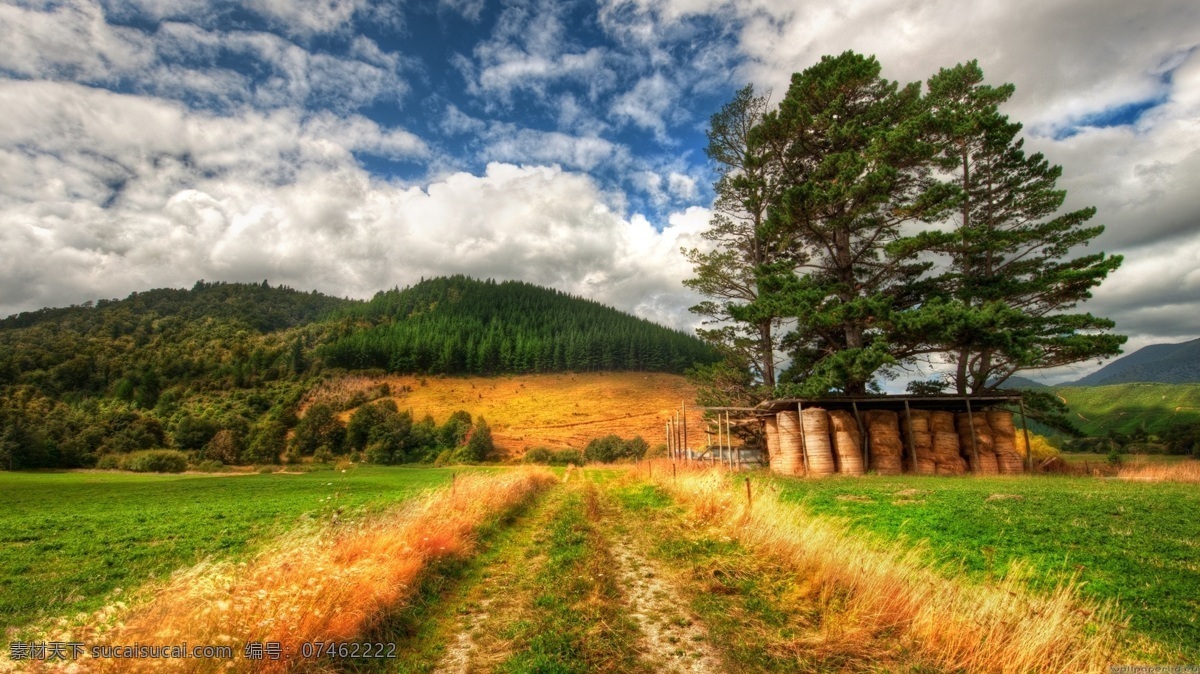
[(460, 325), (162, 368)]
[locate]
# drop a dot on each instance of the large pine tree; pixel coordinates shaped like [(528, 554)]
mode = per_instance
[(856, 162), (1011, 279)]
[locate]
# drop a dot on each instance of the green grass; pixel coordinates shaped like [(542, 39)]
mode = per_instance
[(754, 609), (1096, 410), (576, 622), (1135, 543), (1092, 458), (69, 539)]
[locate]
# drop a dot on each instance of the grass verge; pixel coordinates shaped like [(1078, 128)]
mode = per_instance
[(70, 540), (1126, 542), (332, 585), (865, 592)]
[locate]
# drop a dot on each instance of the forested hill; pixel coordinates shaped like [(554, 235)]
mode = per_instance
[(223, 367), (462, 325)]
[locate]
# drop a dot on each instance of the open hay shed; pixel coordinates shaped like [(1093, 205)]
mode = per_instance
[(891, 435)]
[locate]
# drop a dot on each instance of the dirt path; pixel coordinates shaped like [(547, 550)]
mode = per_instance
[(491, 599), (570, 590), (674, 640)]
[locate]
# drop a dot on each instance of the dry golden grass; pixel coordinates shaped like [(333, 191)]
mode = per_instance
[(1184, 471), (551, 410), (866, 591), (328, 585)]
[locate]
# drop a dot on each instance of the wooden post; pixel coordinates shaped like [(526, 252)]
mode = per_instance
[(912, 441), (670, 440), (803, 445), (749, 500), (1025, 427), (862, 437), (683, 406), (672, 471), (974, 443), (712, 456), (452, 481)]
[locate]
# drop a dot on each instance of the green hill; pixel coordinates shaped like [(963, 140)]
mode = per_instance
[(460, 325), (1160, 363), (172, 367), (1096, 410)]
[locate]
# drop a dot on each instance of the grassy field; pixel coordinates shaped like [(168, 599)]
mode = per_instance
[(68, 540), (1134, 543), (552, 410), (604, 570), (1124, 407)]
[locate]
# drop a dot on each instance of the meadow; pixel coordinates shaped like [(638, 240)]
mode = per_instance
[(617, 571), (69, 540), (1124, 408), (1135, 543)]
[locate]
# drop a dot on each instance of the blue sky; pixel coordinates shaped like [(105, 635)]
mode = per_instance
[(348, 146)]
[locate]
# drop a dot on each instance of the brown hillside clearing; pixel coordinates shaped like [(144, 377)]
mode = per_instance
[(550, 410)]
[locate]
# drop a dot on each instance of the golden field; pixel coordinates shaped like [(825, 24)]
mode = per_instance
[(551, 410)]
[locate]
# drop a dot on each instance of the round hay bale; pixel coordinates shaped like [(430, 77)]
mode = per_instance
[(772, 425), (790, 459), (817, 444), (1001, 421), (987, 464), (941, 422), (886, 447), (849, 452), (920, 421)]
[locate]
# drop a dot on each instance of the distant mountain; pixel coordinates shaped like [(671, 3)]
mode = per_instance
[(1157, 363), (1019, 382)]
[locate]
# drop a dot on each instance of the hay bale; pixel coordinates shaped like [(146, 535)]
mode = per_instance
[(922, 438), (847, 442), (1004, 442), (975, 436), (817, 444), (946, 452), (772, 425), (790, 459), (941, 422), (883, 428)]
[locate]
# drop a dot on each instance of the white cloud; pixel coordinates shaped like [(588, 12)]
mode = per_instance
[(648, 104), (73, 41), (103, 193)]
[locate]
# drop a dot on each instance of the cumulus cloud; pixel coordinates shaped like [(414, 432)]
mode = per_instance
[(74, 41), (110, 193)]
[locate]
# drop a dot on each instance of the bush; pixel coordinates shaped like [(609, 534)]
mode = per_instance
[(479, 446), (109, 462), (564, 457), (445, 458), (612, 448), (156, 461), (548, 457), (539, 455), (209, 466)]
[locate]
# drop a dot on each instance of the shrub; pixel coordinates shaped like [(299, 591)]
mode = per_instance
[(156, 461), (480, 446), (539, 455), (109, 462), (209, 466), (225, 447), (564, 457)]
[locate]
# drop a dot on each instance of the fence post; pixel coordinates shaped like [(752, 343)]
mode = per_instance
[(749, 500)]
